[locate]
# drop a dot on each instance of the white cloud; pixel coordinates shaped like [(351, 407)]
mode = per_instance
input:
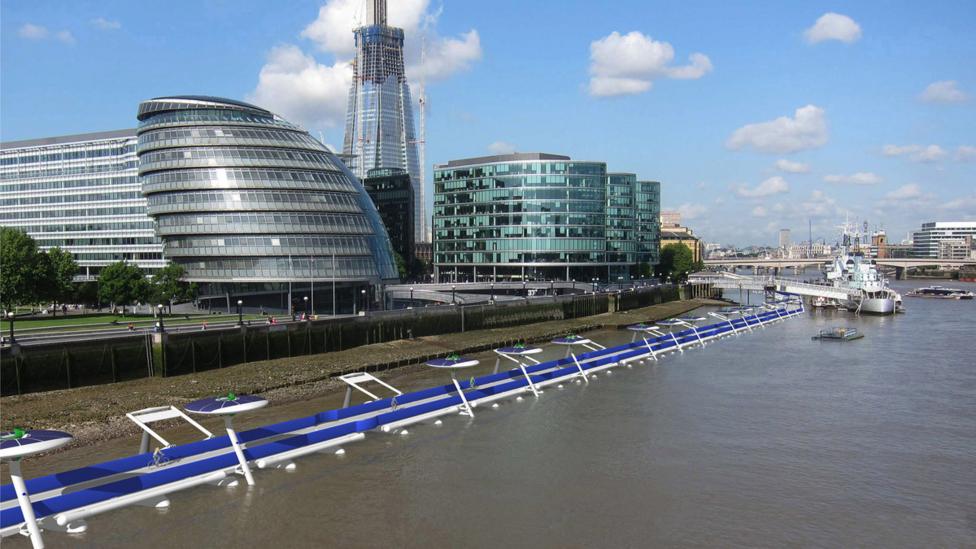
[(759, 211), (32, 31), (332, 32), (944, 91), (302, 90), (792, 167), (966, 152), (293, 83), (769, 187), (966, 203), (691, 211), (105, 24), (917, 153), (859, 178), (833, 26), (65, 36), (629, 63), (806, 130), (501, 147), (905, 192)]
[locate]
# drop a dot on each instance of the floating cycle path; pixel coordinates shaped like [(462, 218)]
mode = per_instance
[(63, 500)]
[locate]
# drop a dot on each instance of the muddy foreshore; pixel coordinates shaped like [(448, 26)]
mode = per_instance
[(97, 413)]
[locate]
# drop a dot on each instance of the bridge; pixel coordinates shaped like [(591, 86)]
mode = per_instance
[(900, 263), (732, 281)]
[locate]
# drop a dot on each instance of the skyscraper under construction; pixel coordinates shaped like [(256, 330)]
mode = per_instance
[(379, 116)]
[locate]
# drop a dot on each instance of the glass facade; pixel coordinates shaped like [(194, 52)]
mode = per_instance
[(379, 129), (538, 216), (241, 197), (80, 193)]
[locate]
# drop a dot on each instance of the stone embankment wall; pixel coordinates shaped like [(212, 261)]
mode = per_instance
[(55, 366)]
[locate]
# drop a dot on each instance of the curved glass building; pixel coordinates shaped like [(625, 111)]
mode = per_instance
[(251, 205), (538, 216)]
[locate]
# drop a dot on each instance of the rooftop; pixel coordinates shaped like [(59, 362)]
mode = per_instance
[(65, 139), (513, 157)]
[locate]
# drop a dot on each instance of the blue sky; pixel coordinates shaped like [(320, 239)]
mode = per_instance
[(754, 116)]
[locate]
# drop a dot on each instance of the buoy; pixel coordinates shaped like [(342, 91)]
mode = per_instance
[(495, 405), (438, 422), (404, 432), (340, 452)]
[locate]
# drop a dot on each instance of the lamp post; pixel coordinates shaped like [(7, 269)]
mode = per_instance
[(453, 290), (240, 312), (492, 292), (10, 317), (363, 292), (411, 294), (552, 287), (525, 292), (159, 308), (305, 299), (574, 285)]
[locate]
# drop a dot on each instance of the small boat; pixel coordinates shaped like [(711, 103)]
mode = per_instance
[(940, 292), (838, 334), (821, 302)]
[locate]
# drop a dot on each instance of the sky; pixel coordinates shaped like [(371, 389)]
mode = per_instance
[(754, 116)]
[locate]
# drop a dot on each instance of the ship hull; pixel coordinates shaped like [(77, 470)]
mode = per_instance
[(873, 305)]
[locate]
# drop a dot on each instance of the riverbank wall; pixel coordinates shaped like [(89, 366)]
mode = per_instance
[(67, 365)]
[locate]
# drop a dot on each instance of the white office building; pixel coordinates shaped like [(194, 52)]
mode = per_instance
[(927, 242), (80, 193)]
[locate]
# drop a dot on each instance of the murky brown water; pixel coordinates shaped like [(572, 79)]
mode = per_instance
[(769, 440)]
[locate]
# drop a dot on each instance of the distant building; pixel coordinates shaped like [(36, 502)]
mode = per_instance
[(683, 235), (879, 245), (926, 242), (392, 194), (538, 216), (956, 248), (784, 239), (670, 218), (80, 193)]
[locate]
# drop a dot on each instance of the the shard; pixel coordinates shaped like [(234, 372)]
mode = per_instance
[(379, 117)]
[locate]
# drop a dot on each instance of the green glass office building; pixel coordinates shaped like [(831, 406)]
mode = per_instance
[(538, 216)]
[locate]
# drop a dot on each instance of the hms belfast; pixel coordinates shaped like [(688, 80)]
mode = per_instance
[(379, 117)]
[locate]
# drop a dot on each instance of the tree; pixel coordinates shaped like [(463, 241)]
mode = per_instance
[(62, 271), (122, 284), (168, 286), (401, 265), (677, 260), (86, 293), (23, 270)]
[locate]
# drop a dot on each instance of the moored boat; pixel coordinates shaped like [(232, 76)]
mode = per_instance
[(838, 334), (940, 292)]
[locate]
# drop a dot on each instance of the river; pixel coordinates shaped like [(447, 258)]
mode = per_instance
[(769, 439)]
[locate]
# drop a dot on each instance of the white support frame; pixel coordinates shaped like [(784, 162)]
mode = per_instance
[(693, 328), (465, 409), (521, 366), (353, 380), (727, 319), (144, 417)]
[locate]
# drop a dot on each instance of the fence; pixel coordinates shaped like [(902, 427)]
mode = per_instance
[(66, 365)]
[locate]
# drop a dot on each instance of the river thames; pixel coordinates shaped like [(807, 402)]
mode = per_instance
[(769, 439)]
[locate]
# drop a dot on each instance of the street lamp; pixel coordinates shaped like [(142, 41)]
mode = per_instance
[(363, 292), (305, 299), (411, 294), (240, 312), (492, 292), (453, 290), (159, 308), (525, 292), (10, 316)]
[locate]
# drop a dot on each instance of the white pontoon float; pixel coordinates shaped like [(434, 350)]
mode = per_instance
[(60, 501)]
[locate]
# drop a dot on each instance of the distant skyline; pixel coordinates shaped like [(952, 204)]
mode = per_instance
[(754, 116)]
